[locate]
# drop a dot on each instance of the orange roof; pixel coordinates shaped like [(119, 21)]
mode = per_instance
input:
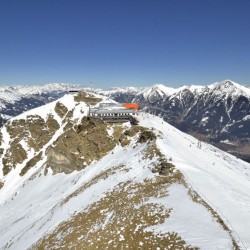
[(130, 106)]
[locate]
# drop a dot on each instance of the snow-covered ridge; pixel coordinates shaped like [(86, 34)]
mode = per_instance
[(230, 87), (43, 201), (16, 99), (223, 87), (158, 89), (220, 178), (119, 90), (12, 93)]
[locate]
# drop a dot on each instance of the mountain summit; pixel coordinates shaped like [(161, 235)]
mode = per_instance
[(72, 181)]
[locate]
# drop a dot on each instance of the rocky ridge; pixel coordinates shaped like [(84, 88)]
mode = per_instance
[(78, 182)]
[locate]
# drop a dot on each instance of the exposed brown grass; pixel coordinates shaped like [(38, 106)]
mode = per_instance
[(119, 221), (101, 176), (134, 130), (147, 135), (122, 217), (87, 98), (152, 151)]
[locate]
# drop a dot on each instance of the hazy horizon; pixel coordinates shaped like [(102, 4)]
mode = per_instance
[(88, 85)]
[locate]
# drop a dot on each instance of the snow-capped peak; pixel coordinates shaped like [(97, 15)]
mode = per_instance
[(25, 89), (229, 87), (158, 89), (11, 94), (119, 90)]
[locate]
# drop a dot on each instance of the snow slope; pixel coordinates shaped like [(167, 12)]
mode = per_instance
[(35, 206), (220, 178)]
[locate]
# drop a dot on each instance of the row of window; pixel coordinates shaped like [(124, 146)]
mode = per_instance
[(112, 114)]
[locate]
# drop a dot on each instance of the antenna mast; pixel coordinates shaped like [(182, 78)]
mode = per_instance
[(91, 86)]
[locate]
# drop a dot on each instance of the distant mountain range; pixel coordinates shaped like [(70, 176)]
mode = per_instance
[(218, 113), (14, 100)]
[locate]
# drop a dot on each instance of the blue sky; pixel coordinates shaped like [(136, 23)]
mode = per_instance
[(121, 43)]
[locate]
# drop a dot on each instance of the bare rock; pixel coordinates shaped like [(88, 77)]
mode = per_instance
[(60, 109)]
